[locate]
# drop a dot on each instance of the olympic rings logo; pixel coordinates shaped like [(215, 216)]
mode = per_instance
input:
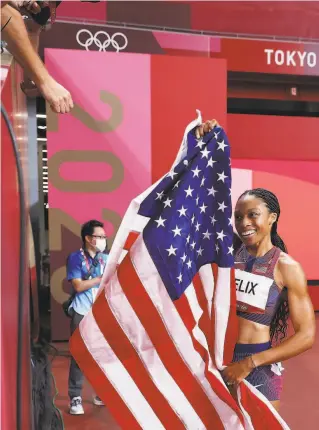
[(102, 40)]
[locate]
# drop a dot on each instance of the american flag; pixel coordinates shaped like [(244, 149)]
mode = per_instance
[(164, 323)]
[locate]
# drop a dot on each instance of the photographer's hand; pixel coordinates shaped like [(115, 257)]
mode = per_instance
[(59, 99), (31, 5)]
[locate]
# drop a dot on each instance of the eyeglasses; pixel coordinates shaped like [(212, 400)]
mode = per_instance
[(99, 237)]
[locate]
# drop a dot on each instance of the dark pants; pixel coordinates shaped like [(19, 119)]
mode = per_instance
[(75, 375)]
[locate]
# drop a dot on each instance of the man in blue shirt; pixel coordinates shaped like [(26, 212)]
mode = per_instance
[(85, 268)]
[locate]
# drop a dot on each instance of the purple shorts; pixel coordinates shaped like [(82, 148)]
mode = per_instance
[(263, 378)]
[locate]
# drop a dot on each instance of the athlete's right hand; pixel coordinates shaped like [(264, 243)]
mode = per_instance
[(206, 127)]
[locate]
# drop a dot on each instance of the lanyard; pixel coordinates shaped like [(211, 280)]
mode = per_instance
[(87, 263), (88, 266)]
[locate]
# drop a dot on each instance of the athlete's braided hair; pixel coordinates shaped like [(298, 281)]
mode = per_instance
[(279, 323)]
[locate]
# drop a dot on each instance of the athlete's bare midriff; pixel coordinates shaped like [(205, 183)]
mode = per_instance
[(251, 332)]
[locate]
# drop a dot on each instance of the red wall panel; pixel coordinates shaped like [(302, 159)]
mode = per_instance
[(306, 171), (273, 137), (283, 154), (9, 273), (176, 96), (297, 227), (78, 10), (278, 18), (295, 19), (314, 294)]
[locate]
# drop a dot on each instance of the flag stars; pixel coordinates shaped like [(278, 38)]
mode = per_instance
[(222, 206), (207, 235), (221, 235), (184, 258), (230, 250), (206, 215), (196, 172), (160, 222), (221, 145), (177, 231), (203, 208), (182, 211), (172, 174), (171, 251), (189, 191), (221, 177), (189, 264), (200, 252), (210, 162), (200, 144), (211, 191), (160, 195), (213, 219), (205, 153), (167, 202)]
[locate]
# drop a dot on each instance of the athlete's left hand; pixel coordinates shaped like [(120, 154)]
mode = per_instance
[(236, 372)]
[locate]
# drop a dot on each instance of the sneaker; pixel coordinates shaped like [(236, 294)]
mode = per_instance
[(97, 401), (76, 407)]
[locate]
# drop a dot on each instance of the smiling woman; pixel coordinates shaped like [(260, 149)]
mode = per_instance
[(262, 209), (270, 287)]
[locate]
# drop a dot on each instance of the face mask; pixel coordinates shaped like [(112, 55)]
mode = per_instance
[(100, 244)]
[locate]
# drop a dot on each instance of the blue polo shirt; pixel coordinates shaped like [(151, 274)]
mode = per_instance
[(77, 268)]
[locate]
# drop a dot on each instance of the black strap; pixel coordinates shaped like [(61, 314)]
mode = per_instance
[(87, 257), (6, 23)]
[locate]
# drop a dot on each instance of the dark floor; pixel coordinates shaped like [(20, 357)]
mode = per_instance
[(299, 401), (95, 417)]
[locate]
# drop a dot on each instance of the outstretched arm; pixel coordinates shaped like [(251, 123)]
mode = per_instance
[(16, 36)]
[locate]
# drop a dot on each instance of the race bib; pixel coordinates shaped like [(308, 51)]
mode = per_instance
[(251, 291)]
